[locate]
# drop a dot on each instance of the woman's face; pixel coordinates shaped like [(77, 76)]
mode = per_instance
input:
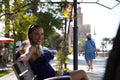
[(37, 36)]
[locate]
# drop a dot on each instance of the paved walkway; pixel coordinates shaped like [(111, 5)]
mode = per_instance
[(11, 76), (96, 74)]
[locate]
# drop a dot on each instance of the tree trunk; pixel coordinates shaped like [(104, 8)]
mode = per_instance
[(34, 7)]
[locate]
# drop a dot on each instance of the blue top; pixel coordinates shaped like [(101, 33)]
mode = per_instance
[(89, 47), (42, 68)]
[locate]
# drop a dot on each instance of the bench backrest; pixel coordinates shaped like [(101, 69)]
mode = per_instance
[(23, 72)]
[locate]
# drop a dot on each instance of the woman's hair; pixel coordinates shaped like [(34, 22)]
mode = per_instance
[(88, 36), (30, 30)]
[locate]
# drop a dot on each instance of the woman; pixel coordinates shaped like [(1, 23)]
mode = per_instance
[(39, 62), (90, 49)]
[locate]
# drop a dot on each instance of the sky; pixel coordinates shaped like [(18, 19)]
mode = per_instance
[(103, 21), (1, 27)]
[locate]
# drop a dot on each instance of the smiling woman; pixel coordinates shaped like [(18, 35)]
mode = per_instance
[(39, 61)]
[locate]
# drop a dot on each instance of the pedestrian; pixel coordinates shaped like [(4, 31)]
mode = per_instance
[(2, 60), (1, 52), (39, 61), (5, 55), (89, 51)]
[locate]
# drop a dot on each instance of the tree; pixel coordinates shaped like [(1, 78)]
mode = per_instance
[(54, 41), (49, 23), (106, 41), (102, 46), (24, 12), (62, 57), (21, 13)]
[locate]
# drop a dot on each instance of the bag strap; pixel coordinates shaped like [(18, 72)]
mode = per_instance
[(91, 44)]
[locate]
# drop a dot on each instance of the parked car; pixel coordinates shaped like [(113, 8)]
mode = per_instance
[(53, 51)]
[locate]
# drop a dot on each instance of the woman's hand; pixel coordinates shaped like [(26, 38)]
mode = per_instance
[(58, 73), (96, 53), (23, 59)]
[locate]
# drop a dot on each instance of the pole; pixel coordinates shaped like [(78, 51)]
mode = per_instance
[(75, 37), (65, 28)]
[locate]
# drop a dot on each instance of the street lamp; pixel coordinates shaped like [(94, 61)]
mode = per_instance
[(75, 37)]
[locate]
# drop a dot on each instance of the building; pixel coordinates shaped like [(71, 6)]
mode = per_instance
[(82, 30)]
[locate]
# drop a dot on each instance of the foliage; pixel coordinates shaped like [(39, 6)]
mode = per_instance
[(82, 44), (20, 26), (54, 41), (62, 57), (50, 18), (3, 73), (105, 42), (48, 21), (16, 20), (20, 15)]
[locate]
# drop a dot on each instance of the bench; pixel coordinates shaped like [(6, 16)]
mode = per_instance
[(59, 78), (25, 73)]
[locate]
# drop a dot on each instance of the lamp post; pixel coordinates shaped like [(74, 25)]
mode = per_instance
[(75, 38)]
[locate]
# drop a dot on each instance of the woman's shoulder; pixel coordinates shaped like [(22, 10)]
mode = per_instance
[(30, 48)]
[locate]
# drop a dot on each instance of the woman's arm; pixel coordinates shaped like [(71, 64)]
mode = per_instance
[(27, 56)]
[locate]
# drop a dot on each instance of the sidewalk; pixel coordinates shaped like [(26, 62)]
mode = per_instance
[(99, 67), (93, 76), (11, 76)]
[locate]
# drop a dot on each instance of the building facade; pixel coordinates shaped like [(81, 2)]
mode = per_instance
[(82, 30)]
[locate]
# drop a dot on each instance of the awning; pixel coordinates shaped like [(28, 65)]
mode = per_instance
[(6, 40)]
